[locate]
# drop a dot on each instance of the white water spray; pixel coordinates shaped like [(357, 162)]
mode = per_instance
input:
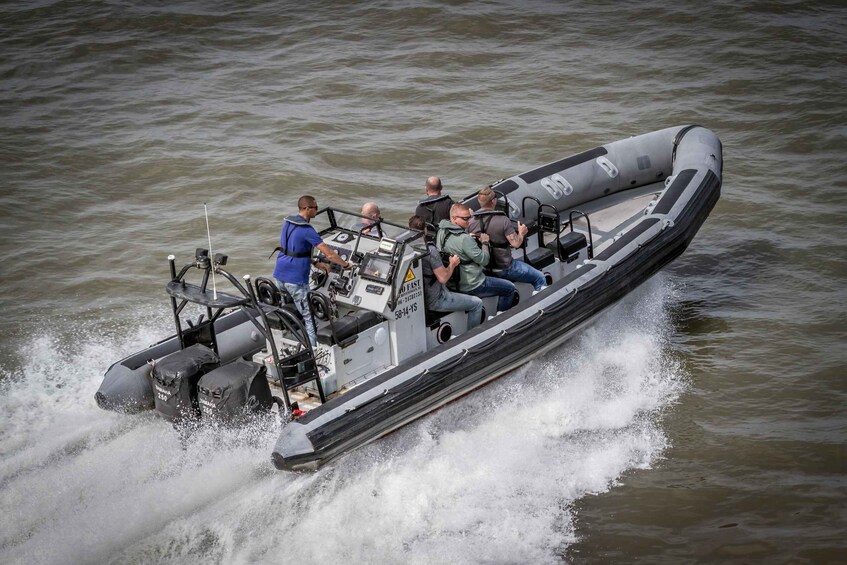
[(491, 477)]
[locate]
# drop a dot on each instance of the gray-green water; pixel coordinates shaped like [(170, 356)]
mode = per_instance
[(702, 420)]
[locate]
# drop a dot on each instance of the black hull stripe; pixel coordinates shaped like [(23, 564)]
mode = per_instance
[(626, 238), (674, 191), (562, 164)]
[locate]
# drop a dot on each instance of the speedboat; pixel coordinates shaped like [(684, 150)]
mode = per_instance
[(600, 223)]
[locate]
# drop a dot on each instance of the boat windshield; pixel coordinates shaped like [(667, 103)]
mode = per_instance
[(330, 219)]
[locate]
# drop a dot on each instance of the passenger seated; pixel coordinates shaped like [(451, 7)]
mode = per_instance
[(370, 210), (453, 238), (504, 237), (437, 296)]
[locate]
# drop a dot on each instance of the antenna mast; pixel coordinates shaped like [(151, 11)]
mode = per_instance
[(211, 255)]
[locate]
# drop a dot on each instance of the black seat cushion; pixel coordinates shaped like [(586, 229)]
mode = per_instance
[(540, 257), (347, 326), (568, 245)]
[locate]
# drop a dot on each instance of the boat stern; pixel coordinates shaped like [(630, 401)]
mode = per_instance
[(126, 390)]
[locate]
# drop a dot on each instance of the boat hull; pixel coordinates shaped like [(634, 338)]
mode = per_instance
[(429, 380)]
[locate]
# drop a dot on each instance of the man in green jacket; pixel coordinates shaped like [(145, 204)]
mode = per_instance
[(453, 238)]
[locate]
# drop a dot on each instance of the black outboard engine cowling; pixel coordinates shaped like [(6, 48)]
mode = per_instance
[(175, 379), (234, 390)]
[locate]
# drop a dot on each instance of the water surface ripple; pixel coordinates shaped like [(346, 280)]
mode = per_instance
[(706, 412)]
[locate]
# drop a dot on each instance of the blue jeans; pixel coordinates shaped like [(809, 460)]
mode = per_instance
[(300, 294), (458, 302), (492, 286), (519, 271)]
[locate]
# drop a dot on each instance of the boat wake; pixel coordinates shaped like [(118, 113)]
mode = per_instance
[(490, 477)]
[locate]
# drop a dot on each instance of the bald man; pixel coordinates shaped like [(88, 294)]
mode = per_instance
[(371, 213), (436, 206)]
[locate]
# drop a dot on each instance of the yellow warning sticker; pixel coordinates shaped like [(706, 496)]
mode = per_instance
[(410, 276)]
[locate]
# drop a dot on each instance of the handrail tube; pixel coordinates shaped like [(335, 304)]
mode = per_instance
[(184, 270), (590, 237), (283, 313), (172, 265), (205, 282), (255, 303), (233, 280)]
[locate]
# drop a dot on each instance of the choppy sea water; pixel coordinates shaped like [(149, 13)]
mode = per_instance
[(702, 419)]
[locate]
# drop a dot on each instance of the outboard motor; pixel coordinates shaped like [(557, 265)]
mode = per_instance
[(175, 379), (234, 390)]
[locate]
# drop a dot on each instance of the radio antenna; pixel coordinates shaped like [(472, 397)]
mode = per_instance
[(211, 255)]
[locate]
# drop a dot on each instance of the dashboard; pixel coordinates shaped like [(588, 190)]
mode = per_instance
[(368, 284)]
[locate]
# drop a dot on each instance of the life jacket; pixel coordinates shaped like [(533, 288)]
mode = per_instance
[(431, 203), (290, 224), (485, 217), (456, 277), (431, 279)]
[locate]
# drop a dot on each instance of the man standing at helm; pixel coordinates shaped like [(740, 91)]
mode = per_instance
[(292, 270)]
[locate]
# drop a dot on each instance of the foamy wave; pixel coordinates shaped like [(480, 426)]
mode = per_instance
[(491, 477)]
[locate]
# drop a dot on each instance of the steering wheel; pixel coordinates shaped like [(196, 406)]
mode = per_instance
[(318, 278)]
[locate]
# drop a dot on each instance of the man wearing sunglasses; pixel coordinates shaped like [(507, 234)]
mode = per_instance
[(436, 275), (453, 238), (296, 241)]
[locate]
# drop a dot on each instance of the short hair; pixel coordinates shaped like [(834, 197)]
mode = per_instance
[(417, 223), (306, 201), (486, 195), (458, 208)]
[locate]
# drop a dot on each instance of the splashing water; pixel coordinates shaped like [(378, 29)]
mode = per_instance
[(490, 477)]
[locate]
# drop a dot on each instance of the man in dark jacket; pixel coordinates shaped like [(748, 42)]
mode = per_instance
[(436, 206)]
